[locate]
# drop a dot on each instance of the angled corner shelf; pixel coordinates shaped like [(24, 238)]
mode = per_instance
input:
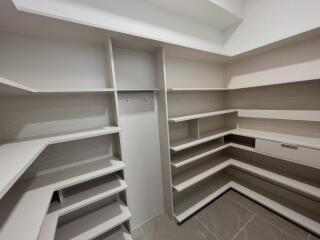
[(14, 162), (201, 115), (188, 142), (200, 197), (8, 87), (32, 196), (103, 220), (189, 178)]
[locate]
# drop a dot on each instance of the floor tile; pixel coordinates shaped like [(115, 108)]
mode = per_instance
[(162, 228), (259, 229), (224, 217), (137, 234), (273, 218)]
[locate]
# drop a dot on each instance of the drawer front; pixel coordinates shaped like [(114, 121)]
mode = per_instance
[(300, 154)]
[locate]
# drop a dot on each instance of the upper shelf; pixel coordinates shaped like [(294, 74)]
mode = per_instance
[(237, 86), (196, 89), (8, 87), (14, 163), (201, 115), (297, 115)]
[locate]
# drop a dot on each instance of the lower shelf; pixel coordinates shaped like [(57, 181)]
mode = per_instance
[(95, 223), (195, 199), (24, 208), (119, 233)]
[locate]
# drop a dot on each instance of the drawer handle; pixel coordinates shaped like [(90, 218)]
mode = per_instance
[(289, 146)]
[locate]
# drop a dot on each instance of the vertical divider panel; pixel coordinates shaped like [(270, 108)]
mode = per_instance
[(194, 128), (112, 76), (164, 131)]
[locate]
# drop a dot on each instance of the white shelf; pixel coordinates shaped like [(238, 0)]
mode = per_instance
[(89, 196), (188, 142), (295, 115), (29, 202), (196, 89), (14, 163), (196, 174), (8, 87), (279, 137), (193, 176), (200, 197), (120, 233), (94, 223), (204, 151), (220, 184), (191, 155), (201, 115), (77, 201), (138, 90)]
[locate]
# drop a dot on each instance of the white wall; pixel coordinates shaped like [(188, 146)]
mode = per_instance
[(269, 21), (132, 17), (296, 62)]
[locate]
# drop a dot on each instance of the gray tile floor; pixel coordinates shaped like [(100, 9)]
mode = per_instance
[(230, 217)]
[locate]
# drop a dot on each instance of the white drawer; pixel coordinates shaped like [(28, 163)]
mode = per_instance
[(308, 156)]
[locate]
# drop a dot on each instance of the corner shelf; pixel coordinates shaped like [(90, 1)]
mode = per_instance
[(295, 115), (8, 87), (16, 162), (103, 220), (188, 142), (32, 197), (201, 115), (200, 197)]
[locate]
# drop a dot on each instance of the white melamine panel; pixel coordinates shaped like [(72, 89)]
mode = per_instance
[(24, 208), (308, 142), (294, 96), (46, 63), (292, 63), (189, 103), (134, 69), (183, 73), (36, 116), (141, 151), (201, 115), (298, 115), (308, 156), (95, 223)]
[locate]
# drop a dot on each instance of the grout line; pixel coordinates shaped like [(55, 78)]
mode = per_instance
[(243, 226), (268, 221), (149, 219), (241, 205), (206, 227)]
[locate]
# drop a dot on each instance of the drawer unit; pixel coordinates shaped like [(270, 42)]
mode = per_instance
[(308, 156)]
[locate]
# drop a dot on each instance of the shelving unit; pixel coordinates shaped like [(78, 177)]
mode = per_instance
[(103, 220), (29, 150), (210, 149), (66, 155), (137, 90)]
